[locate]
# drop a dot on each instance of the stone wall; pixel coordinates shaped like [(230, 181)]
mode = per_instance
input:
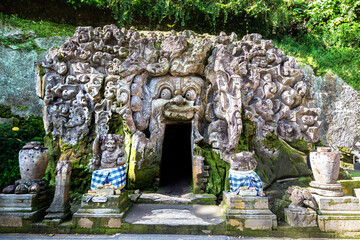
[(17, 71), (340, 109)]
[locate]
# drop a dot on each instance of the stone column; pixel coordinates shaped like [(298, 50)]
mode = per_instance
[(60, 207)]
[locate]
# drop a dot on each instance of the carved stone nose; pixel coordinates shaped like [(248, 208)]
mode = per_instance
[(178, 100)]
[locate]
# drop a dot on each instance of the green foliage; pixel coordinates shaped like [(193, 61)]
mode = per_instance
[(5, 111), (37, 28), (12, 139)]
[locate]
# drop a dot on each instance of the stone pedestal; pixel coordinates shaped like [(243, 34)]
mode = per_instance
[(19, 210), (325, 165), (60, 206), (102, 212), (338, 213), (248, 212), (300, 217)]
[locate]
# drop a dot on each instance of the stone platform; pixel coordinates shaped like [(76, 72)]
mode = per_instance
[(101, 212), (20, 210), (248, 212), (186, 219), (338, 213), (188, 198)]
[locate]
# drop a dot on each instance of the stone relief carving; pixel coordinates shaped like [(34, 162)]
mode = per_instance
[(108, 152), (150, 79)]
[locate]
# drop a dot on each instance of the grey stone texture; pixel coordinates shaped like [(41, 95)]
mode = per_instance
[(248, 212), (17, 72), (338, 213), (340, 109)]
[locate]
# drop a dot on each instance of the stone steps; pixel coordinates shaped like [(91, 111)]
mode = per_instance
[(166, 218), (189, 198)]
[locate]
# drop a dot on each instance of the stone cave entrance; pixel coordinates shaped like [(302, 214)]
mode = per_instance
[(176, 162)]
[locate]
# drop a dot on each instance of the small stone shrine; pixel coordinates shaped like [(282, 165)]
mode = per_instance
[(26, 200), (336, 212), (246, 206), (105, 204)]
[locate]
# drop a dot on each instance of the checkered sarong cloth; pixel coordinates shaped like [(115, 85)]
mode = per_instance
[(116, 177), (238, 180)]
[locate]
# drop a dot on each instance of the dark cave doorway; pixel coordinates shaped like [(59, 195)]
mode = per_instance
[(176, 162)]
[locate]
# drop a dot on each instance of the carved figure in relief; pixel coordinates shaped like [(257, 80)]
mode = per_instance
[(108, 162), (243, 180), (108, 152)]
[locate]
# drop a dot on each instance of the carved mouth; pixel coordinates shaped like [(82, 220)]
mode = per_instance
[(184, 113)]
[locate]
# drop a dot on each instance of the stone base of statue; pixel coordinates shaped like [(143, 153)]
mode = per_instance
[(297, 216), (248, 212), (101, 211), (19, 210), (338, 213), (327, 190)]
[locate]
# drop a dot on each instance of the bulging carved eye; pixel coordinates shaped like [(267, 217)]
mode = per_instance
[(165, 93), (190, 94)]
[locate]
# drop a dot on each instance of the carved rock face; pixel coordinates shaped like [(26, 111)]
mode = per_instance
[(177, 96), (150, 79)]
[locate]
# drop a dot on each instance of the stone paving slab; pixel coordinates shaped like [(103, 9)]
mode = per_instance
[(174, 215), (189, 198)]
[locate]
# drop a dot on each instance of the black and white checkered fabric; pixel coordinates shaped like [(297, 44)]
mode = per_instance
[(116, 177)]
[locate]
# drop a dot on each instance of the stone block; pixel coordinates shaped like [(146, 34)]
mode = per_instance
[(248, 212), (105, 191), (338, 214), (339, 223), (248, 202), (345, 203), (19, 210), (107, 214), (300, 217)]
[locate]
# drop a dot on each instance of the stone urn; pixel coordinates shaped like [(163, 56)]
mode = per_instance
[(325, 165), (33, 160)]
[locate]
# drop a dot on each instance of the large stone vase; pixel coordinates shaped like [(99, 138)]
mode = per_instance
[(33, 160), (325, 165)]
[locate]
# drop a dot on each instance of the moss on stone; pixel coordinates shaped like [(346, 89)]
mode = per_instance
[(218, 172)]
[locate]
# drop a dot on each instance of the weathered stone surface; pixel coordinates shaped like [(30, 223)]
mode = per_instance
[(325, 165), (101, 214), (108, 152), (340, 109), (345, 203), (297, 216), (17, 72), (189, 198), (174, 215), (9, 189), (152, 79), (248, 212), (19, 210), (21, 189), (34, 188), (60, 206), (33, 160)]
